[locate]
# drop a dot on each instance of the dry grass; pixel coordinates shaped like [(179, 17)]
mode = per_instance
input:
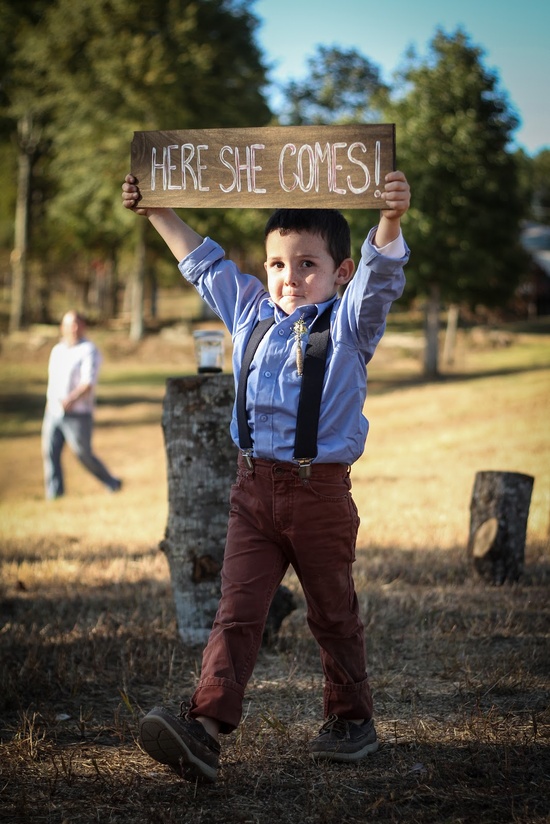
[(460, 670)]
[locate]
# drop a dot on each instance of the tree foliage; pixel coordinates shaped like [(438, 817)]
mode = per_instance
[(15, 17), (454, 127), (341, 86), (78, 77), (454, 131), (88, 73), (542, 186), (107, 68)]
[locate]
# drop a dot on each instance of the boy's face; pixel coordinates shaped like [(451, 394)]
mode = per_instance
[(300, 270)]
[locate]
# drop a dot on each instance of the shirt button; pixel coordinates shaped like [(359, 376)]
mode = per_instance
[(267, 374), (263, 418), (281, 332)]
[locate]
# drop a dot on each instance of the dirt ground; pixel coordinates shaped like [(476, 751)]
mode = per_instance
[(460, 670)]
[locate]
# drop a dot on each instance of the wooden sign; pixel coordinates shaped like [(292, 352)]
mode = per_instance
[(339, 167)]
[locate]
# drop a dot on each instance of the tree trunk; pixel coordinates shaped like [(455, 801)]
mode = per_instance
[(201, 463), (431, 353), (27, 148), (450, 335), (201, 460), (138, 284), (498, 524)]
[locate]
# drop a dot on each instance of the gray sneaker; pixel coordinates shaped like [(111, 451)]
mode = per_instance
[(182, 743), (341, 740)]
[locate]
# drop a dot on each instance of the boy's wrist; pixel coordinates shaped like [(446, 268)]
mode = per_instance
[(388, 230)]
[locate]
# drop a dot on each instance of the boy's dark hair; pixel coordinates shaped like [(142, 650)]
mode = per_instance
[(330, 224)]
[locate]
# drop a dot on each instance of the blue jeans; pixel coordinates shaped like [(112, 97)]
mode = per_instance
[(278, 520), (76, 431)]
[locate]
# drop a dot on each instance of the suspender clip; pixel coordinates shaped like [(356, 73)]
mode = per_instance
[(304, 471), (247, 458)]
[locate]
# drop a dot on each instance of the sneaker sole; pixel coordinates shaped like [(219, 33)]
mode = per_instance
[(346, 757), (161, 741)]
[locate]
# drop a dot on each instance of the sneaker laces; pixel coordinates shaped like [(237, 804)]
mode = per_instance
[(184, 710), (198, 730), (336, 725)]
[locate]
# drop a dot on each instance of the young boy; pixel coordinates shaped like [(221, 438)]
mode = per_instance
[(291, 503)]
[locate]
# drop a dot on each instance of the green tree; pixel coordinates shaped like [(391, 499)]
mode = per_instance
[(454, 127), (540, 187), (106, 68), (21, 142), (341, 85)]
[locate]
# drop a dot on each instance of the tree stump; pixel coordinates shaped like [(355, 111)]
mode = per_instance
[(499, 509), (201, 465)]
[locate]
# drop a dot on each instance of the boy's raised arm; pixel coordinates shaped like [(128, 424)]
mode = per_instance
[(178, 236), (182, 240), (397, 195)]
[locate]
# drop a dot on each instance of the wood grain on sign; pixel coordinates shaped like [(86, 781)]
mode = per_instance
[(339, 167)]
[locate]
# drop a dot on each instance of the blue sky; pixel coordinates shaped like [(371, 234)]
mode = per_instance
[(515, 39)]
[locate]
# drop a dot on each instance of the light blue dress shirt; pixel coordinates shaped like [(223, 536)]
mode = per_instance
[(358, 321)]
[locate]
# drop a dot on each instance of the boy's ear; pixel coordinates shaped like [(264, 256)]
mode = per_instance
[(345, 271)]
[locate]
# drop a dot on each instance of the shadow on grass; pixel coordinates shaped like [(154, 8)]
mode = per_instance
[(24, 408), (433, 783), (67, 548), (411, 598), (380, 385), (27, 411), (459, 673)]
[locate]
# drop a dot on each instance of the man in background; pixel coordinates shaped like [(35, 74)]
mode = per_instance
[(70, 401)]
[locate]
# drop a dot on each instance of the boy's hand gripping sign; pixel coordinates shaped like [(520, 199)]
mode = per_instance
[(340, 167)]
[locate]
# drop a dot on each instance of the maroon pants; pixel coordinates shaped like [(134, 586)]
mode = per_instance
[(276, 520)]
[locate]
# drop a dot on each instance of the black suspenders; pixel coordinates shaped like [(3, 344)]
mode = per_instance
[(307, 422), (258, 332), (311, 390)]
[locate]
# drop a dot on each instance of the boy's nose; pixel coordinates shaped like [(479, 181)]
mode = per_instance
[(291, 275)]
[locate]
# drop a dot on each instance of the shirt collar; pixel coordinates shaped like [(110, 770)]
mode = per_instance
[(310, 311)]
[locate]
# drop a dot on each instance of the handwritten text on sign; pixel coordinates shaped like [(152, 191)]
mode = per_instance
[(309, 166)]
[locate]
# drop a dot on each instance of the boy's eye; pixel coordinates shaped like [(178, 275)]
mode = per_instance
[(279, 264)]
